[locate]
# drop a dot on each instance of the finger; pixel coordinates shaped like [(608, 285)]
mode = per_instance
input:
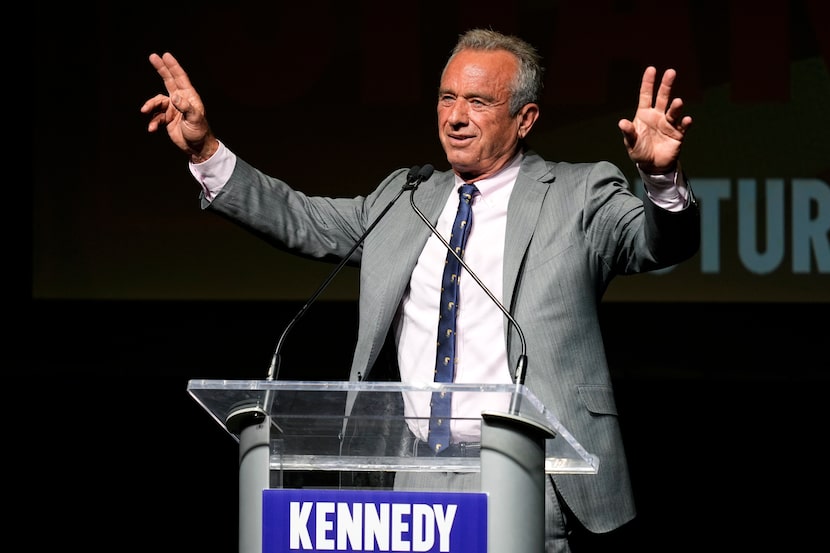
[(629, 132), (674, 115), (163, 70), (661, 102), (176, 72), (647, 88), (156, 103), (156, 122), (684, 124), (155, 60)]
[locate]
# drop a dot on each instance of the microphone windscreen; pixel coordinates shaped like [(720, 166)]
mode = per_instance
[(425, 172), (413, 173)]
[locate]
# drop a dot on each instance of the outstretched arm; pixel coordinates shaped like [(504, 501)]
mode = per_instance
[(654, 136), (180, 110)]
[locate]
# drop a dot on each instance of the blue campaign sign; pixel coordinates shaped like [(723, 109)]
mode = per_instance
[(373, 520)]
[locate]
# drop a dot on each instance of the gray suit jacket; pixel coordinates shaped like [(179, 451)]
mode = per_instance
[(570, 229)]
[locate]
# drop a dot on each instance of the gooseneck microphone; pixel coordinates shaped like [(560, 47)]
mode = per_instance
[(413, 178), (521, 365)]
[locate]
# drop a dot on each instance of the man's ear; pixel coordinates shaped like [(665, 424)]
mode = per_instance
[(526, 117)]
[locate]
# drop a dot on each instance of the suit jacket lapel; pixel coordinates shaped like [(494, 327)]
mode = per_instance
[(408, 234), (523, 212)]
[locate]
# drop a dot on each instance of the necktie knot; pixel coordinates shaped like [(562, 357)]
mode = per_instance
[(466, 192)]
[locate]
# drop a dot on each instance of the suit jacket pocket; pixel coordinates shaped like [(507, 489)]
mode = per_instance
[(597, 399)]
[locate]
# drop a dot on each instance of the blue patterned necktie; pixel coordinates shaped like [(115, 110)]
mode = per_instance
[(439, 421)]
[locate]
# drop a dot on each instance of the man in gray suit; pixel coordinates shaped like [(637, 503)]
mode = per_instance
[(547, 238)]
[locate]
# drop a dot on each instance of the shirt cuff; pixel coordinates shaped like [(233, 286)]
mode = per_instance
[(669, 191), (213, 173)]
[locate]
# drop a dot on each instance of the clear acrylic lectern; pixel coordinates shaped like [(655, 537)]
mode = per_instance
[(340, 426)]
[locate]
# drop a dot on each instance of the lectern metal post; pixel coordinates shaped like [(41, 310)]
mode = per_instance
[(513, 477), (253, 427)]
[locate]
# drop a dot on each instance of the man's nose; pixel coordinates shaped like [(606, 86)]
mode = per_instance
[(459, 113)]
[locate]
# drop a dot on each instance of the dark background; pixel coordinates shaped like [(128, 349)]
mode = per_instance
[(133, 291)]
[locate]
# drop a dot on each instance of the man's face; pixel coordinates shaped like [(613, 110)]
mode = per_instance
[(474, 124)]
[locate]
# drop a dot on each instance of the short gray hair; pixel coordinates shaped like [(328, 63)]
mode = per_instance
[(527, 85)]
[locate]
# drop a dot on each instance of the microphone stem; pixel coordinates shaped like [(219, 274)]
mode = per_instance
[(273, 370)]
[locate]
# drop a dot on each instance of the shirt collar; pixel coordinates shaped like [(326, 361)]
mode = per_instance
[(501, 182)]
